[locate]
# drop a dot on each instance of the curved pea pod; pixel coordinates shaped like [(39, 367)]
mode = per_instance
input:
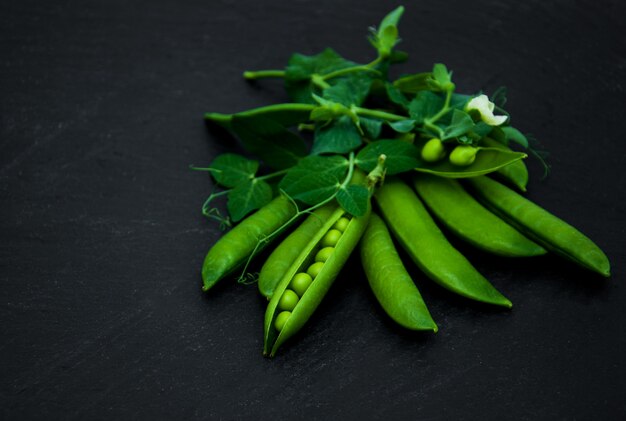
[(392, 285), (237, 245), (516, 172), (466, 218), (548, 230), (418, 234), (288, 250), (327, 271)]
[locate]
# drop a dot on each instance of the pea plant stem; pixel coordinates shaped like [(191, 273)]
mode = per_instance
[(263, 74), (383, 115), (430, 122)]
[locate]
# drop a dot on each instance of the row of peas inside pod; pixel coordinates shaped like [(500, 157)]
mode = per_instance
[(301, 269)]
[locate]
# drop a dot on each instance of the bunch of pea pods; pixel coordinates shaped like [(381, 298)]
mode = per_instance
[(428, 160)]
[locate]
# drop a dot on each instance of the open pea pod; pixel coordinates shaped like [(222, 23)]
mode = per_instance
[(321, 261), (540, 225), (516, 172), (285, 114), (288, 250), (487, 160)]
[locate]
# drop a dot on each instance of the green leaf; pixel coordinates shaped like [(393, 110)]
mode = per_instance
[(340, 136), (487, 160), (458, 101), (511, 133), (248, 196), (353, 199), (276, 146), (401, 156), (460, 124), (482, 129), (402, 126), (351, 90), (426, 104), (412, 84), (300, 68), (442, 76), (230, 169), (315, 178), (396, 96), (392, 19), (371, 127)]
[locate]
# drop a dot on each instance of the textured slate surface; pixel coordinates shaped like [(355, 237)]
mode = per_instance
[(101, 238)]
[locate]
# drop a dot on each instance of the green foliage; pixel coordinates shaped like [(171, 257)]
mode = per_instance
[(349, 91), (230, 169), (315, 178), (400, 156), (248, 196), (354, 199), (339, 136), (276, 146), (426, 104)]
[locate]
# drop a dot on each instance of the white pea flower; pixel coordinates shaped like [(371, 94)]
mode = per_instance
[(485, 107)]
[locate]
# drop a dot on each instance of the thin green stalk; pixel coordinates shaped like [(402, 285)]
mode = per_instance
[(379, 114), (263, 74), (349, 70)]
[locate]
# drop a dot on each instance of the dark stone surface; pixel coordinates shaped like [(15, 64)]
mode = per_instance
[(101, 238)]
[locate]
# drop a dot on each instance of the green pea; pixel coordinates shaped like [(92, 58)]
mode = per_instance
[(331, 238), (300, 283), (236, 246), (466, 218), (288, 300), (418, 234), (281, 319), (392, 285), (324, 254), (540, 225), (433, 150), (341, 224), (315, 269), (463, 155), (288, 250)]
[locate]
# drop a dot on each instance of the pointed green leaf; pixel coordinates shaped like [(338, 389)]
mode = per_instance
[(315, 178), (412, 84), (460, 124), (340, 136), (402, 126), (353, 199), (248, 196), (371, 127), (276, 146), (426, 104), (396, 96), (401, 156), (231, 169), (351, 90)]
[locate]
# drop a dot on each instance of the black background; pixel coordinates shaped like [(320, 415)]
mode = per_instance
[(101, 236)]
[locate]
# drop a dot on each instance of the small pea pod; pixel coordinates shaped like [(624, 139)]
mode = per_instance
[(236, 246), (392, 285), (416, 231), (471, 221), (548, 230), (516, 172), (288, 250), (283, 320)]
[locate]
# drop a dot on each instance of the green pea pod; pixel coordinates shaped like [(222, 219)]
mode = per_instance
[(288, 250), (471, 221), (551, 232), (416, 231), (327, 271), (392, 285), (236, 246), (516, 172)]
